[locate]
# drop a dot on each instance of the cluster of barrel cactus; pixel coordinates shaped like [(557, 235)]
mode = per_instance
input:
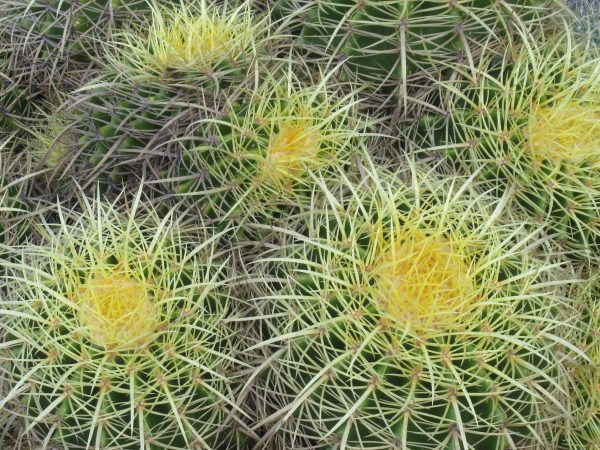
[(299, 224)]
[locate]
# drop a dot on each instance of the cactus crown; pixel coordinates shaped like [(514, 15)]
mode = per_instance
[(424, 279), (296, 128), (116, 309), (186, 38), (425, 268), (529, 123), (424, 265), (296, 141), (201, 37), (558, 117)]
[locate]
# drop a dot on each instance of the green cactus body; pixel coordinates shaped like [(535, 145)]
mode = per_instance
[(126, 126), (532, 125), (405, 316), (159, 84), (117, 334), (388, 41)]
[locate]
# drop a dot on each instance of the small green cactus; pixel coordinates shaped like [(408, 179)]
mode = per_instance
[(53, 143), (119, 332), (265, 149), (160, 81), (529, 123), (409, 316), (388, 42), (53, 149)]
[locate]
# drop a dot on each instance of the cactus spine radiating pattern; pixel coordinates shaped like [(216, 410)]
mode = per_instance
[(534, 126), (409, 316), (117, 333), (265, 149), (158, 83)]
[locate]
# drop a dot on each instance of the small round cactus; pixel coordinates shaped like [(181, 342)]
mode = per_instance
[(53, 149), (409, 316), (53, 144), (119, 332), (529, 123), (265, 149)]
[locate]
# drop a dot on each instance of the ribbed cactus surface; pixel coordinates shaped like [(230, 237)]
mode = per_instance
[(388, 41)]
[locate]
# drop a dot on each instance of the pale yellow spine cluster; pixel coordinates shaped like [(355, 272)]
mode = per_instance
[(566, 132)]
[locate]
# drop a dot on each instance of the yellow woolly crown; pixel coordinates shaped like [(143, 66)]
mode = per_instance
[(116, 309), (424, 280)]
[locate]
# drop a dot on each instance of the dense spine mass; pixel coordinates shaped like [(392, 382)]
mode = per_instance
[(299, 225), (581, 427)]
